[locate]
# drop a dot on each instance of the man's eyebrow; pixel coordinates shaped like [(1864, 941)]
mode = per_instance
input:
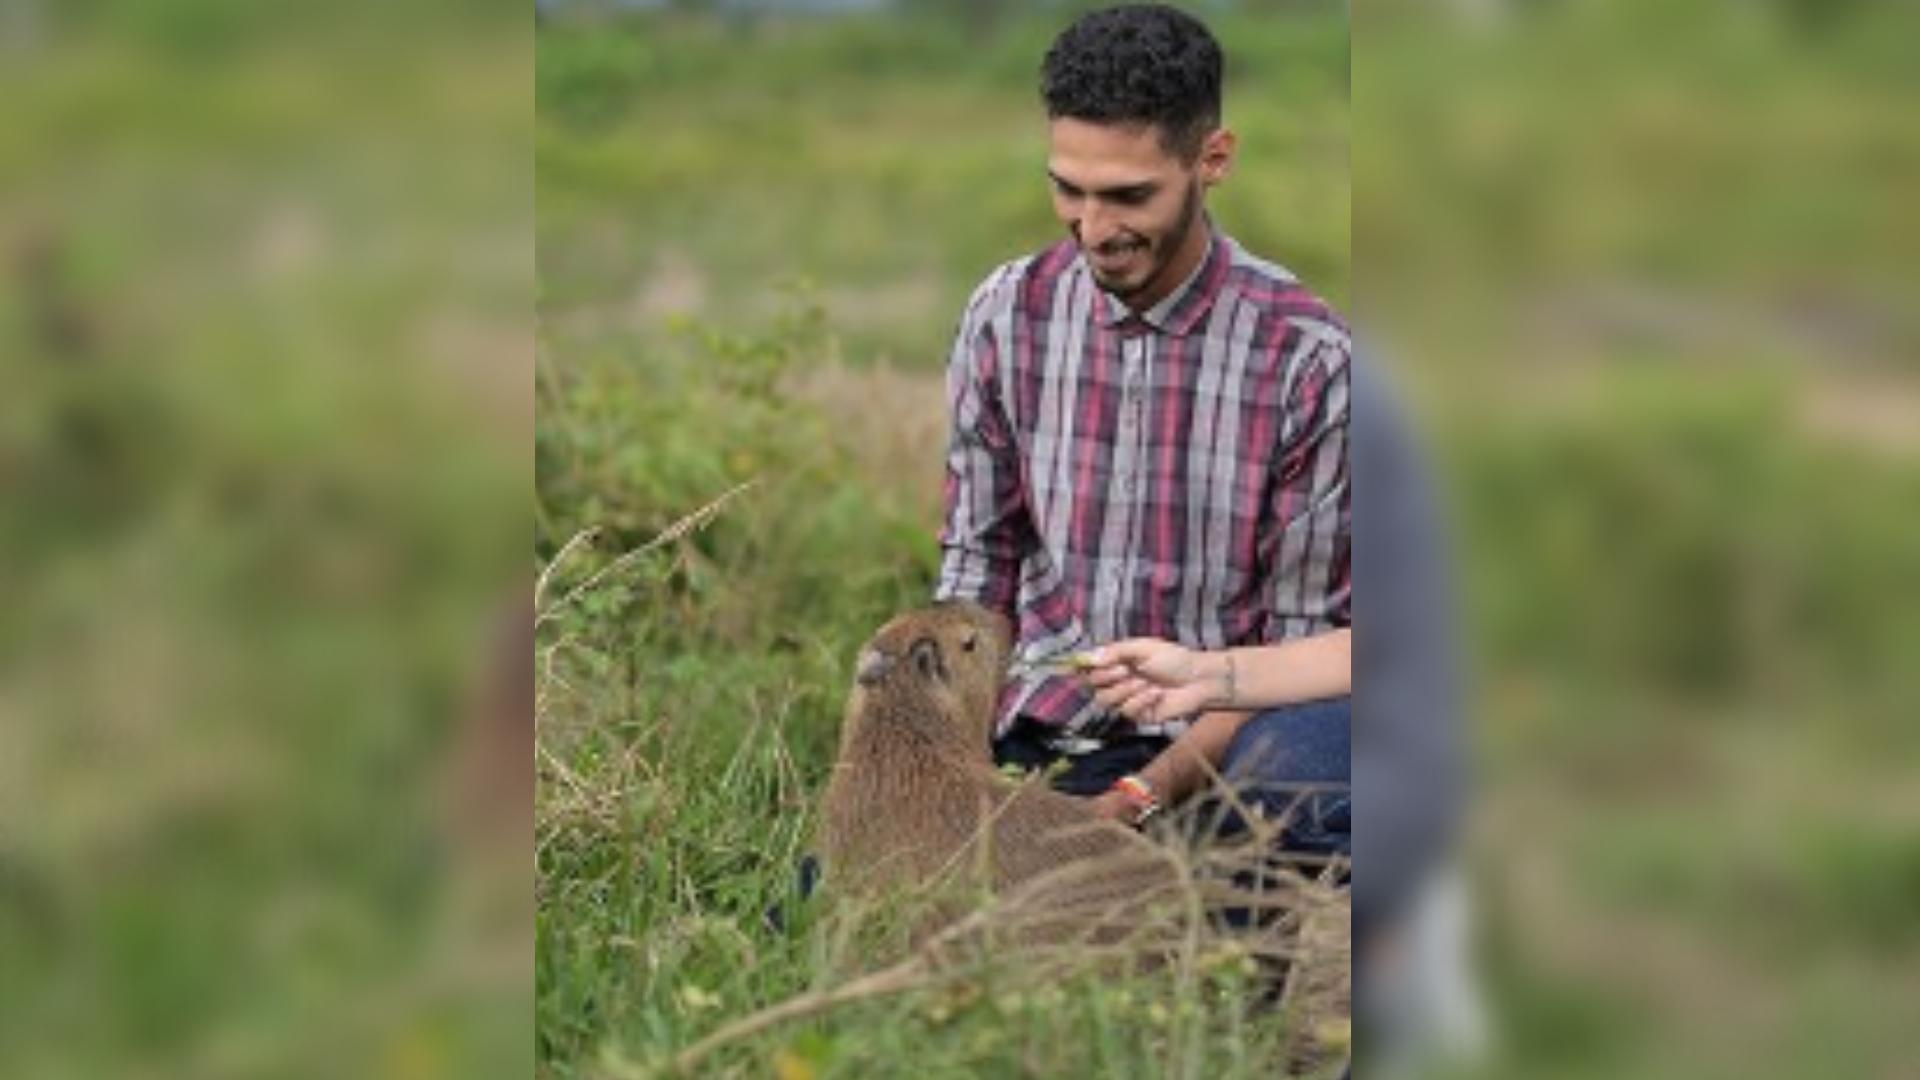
[(1124, 191)]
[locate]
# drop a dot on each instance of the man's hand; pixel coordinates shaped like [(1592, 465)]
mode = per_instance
[(1147, 679), (1113, 806)]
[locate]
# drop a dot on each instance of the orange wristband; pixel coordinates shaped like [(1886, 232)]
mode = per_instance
[(1140, 794)]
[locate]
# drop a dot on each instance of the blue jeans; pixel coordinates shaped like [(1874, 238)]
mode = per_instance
[(1299, 754), (1296, 762)]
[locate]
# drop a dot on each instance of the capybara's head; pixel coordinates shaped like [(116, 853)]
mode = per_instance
[(953, 654)]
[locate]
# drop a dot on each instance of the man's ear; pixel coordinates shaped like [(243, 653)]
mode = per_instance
[(1216, 155)]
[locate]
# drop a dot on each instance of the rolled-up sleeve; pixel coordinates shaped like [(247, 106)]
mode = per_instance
[(987, 531), (1308, 545)]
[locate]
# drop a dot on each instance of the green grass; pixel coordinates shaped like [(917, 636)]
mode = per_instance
[(690, 697)]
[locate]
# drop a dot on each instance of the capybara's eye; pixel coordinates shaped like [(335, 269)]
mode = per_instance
[(971, 641)]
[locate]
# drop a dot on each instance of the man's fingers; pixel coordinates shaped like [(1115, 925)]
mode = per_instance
[(1122, 695), (1117, 691), (1141, 704)]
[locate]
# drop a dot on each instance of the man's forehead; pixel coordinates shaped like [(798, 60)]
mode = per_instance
[(1085, 145)]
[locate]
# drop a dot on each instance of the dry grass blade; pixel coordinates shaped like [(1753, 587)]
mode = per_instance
[(1092, 915), (1067, 663), (939, 961), (904, 976), (673, 532), (580, 539)]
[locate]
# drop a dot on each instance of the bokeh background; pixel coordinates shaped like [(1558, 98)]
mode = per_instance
[(1643, 269), (265, 349)]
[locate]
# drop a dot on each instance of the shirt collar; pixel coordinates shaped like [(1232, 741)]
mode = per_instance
[(1179, 311)]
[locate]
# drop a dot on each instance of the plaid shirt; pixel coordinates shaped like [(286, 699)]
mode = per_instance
[(1178, 474)]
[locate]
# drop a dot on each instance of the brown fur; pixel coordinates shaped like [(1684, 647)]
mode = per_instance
[(915, 781)]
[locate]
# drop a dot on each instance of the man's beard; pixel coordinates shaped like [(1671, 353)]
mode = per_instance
[(1173, 242)]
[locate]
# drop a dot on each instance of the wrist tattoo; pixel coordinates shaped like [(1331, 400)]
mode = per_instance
[(1232, 680)]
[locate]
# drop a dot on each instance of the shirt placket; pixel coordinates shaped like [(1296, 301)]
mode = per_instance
[(1134, 349)]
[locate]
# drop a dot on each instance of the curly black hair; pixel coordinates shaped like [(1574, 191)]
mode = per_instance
[(1140, 64)]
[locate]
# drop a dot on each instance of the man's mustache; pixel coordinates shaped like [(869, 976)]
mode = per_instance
[(1114, 246)]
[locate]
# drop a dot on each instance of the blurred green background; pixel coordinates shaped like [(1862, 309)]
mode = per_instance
[(1642, 271), (265, 340), (1642, 268), (691, 165)]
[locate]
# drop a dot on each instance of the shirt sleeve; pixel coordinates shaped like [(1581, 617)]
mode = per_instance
[(987, 530), (1307, 545)]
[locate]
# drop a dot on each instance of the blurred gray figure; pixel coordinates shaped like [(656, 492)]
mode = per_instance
[(1415, 998)]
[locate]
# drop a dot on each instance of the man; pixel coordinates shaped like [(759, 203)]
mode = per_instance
[(1149, 439)]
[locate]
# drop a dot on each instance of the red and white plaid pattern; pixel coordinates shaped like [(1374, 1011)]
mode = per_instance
[(1179, 474)]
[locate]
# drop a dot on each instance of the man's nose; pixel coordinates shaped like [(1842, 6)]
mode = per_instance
[(1091, 223), (1096, 225)]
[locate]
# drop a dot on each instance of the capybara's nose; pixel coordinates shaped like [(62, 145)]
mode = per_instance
[(872, 667)]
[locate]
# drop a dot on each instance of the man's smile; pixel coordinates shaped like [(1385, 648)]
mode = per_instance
[(1115, 256)]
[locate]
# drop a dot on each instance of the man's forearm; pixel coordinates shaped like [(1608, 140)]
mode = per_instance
[(1283, 673), (1192, 759)]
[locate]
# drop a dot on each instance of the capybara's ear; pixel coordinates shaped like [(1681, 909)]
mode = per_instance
[(927, 659), (873, 666)]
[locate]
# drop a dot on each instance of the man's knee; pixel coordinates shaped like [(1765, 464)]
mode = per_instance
[(1307, 743), (1295, 764)]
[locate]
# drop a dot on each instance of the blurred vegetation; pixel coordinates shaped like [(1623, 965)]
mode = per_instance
[(633, 437), (264, 335), (1640, 266), (695, 166)]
